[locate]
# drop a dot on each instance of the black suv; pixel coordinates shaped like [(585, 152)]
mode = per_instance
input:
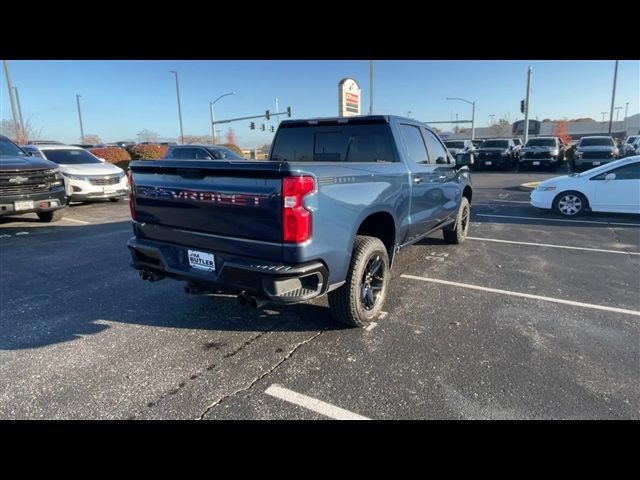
[(29, 184)]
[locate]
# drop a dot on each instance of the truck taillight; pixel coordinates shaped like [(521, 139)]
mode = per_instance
[(296, 220), (132, 195)]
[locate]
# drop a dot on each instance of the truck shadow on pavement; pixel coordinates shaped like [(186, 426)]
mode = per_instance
[(85, 286)]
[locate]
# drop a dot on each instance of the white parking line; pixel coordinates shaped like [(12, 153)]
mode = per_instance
[(552, 246), (509, 201), (77, 221), (525, 295), (312, 404), (557, 219)]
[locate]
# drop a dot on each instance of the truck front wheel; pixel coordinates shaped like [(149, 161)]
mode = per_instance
[(359, 301)]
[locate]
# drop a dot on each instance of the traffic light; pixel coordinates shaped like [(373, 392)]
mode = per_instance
[(272, 129), (267, 115), (252, 125), (288, 111), (521, 106), (263, 127)]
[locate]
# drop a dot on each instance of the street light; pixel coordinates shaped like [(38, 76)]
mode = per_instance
[(179, 109), (492, 116), (473, 114), (80, 117), (409, 112), (212, 114), (24, 133), (617, 109)]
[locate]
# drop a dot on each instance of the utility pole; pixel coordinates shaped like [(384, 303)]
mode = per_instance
[(179, 108), (370, 87), (12, 99), (613, 95), (526, 106), (80, 117), (24, 132)]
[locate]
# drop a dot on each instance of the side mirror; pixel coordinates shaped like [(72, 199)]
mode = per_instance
[(610, 176)]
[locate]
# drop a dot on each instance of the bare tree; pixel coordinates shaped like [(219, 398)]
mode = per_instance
[(7, 128), (92, 139), (501, 128), (147, 136)]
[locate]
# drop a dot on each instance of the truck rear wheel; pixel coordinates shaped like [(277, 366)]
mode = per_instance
[(51, 216), (461, 226), (360, 300)]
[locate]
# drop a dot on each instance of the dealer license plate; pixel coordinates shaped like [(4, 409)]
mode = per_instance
[(201, 260), (487, 163), (596, 163), (536, 163), (110, 189), (23, 205)]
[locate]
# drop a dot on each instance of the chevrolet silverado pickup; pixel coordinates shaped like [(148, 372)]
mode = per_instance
[(29, 184), (325, 215)]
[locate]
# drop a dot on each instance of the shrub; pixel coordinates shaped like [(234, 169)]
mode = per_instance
[(233, 148), (111, 154), (147, 152)]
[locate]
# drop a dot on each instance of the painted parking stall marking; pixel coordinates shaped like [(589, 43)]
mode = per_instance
[(525, 295), (312, 404), (496, 240), (557, 220)]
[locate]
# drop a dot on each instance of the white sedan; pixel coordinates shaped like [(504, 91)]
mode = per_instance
[(87, 177), (614, 187)]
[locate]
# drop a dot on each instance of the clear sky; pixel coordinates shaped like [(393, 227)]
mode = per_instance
[(120, 98)]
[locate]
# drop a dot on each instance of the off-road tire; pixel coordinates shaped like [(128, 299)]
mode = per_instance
[(461, 226)]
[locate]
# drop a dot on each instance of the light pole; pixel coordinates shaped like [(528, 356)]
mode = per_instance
[(80, 117), (179, 108), (603, 114), (14, 112), (371, 87), (473, 114), (409, 112), (277, 109), (213, 115), (617, 109), (492, 115), (626, 110), (613, 95), (15, 89)]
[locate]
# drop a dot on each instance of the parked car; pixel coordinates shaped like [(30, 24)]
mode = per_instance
[(44, 142), (459, 146), (201, 152), (614, 187), (326, 214), (542, 152), (87, 177), (496, 152), (477, 143), (593, 151), (29, 184), (628, 149)]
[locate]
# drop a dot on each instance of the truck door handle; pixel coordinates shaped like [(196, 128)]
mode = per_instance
[(417, 180)]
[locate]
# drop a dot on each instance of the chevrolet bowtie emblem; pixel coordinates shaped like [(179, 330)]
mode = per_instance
[(18, 179)]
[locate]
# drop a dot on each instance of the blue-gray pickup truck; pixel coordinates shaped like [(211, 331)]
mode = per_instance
[(325, 214)]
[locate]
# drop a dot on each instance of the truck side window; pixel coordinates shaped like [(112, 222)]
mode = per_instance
[(416, 149), (437, 152)]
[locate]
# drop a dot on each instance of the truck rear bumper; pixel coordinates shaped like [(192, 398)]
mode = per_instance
[(270, 281)]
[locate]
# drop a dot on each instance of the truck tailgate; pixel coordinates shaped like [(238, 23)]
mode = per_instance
[(239, 200)]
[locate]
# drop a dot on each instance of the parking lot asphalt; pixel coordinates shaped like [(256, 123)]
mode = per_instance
[(533, 317)]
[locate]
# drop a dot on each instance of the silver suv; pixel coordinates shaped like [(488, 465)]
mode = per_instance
[(201, 152)]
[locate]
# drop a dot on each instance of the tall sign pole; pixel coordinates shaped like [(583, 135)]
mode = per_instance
[(526, 106), (348, 98), (370, 87), (613, 96)]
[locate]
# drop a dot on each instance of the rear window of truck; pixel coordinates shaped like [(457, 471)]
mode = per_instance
[(334, 143)]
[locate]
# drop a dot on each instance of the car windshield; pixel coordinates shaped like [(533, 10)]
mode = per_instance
[(631, 139), (10, 149), (454, 144), (541, 142), (70, 156), (596, 142), (223, 153), (495, 144)]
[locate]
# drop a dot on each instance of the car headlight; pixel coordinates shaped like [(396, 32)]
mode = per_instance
[(545, 188), (554, 152), (504, 154), (578, 154), (74, 177)]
